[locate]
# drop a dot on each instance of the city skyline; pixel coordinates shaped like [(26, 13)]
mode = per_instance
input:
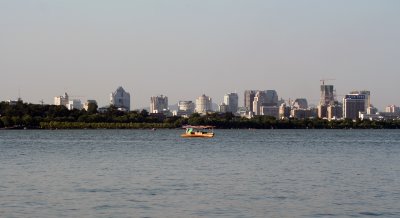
[(183, 49), (312, 103)]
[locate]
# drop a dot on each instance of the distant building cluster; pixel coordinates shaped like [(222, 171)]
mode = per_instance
[(71, 103), (354, 105)]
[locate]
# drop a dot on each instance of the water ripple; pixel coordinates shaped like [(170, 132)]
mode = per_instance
[(239, 173)]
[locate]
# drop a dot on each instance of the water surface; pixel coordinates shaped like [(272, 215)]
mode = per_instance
[(239, 173)]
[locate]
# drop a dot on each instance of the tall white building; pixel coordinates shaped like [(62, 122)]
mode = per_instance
[(203, 104), (158, 104), (121, 99), (232, 102), (61, 100)]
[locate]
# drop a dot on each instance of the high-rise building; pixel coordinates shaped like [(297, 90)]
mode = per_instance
[(353, 104), (158, 104), (232, 101), (249, 98), (327, 98), (121, 99), (61, 100), (203, 104), (271, 98), (327, 95)]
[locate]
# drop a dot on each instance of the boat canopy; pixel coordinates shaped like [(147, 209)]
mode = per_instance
[(197, 127)]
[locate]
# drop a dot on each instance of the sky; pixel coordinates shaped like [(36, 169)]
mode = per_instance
[(184, 48)]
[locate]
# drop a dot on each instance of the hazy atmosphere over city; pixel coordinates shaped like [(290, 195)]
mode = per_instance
[(183, 49)]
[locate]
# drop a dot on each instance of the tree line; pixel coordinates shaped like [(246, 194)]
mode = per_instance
[(35, 116)]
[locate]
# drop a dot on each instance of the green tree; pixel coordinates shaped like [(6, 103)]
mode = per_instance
[(7, 122), (27, 120), (17, 120), (144, 113)]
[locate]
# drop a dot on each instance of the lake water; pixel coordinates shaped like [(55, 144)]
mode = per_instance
[(238, 173)]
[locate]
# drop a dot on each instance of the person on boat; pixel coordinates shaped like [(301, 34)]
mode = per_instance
[(189, 131)]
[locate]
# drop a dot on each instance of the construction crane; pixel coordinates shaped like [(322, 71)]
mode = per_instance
[(323, 80)]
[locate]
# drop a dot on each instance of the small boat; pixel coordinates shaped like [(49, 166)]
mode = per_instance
[(198, 132)]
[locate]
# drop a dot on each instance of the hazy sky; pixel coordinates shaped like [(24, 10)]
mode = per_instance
[(185, 48)]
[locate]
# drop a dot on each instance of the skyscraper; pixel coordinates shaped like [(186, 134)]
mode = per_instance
[(203, 104), (232, 101), (158, 104), (121, 99), (327, 98), (249, 98)]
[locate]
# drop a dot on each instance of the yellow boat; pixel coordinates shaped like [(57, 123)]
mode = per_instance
[(198, 132)]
